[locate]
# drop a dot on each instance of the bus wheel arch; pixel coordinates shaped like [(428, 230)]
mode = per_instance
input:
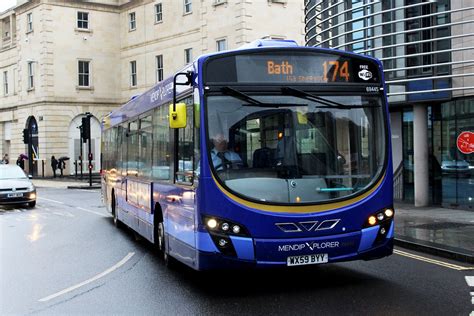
[(161, 241), (112, 202), (114, 207), (158, 228)]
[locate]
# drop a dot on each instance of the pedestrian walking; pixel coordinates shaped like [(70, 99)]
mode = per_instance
[(20, 162), (61, 166), (5, 159), (54, 165)]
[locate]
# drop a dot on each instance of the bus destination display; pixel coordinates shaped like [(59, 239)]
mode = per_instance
[(292, 68)]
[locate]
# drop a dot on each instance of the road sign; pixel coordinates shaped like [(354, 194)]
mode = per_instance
[(465, 142)]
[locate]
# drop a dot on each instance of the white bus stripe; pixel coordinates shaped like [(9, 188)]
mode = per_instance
[(98, 276)]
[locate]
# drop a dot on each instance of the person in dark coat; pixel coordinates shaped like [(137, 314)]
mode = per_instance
[(20, 162), (54, 165)]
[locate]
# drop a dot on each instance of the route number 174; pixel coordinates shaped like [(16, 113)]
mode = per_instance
[(339, 71)]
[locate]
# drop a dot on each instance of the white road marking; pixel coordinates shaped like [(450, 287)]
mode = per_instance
[(42, 198), (93, 212), (98, 276), (470, 280), (433, 261), (84, 190), (61, 214)]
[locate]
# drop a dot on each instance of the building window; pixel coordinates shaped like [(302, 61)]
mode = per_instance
[(84, 73), (133, 73), (29, 22), (221, 45), (132, 21), (158, 12), (188, 6), (82, 20), (31, 76), (5, 82), (188, 55), (159, 68)]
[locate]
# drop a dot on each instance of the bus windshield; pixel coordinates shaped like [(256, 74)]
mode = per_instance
[(294, 147)]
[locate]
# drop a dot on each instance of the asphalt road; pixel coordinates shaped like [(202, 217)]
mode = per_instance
[(66, 257)]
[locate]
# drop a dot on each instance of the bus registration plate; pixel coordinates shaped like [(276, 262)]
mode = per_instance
[(307, 259)]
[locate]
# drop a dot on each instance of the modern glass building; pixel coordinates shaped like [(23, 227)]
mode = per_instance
[(427, 48)]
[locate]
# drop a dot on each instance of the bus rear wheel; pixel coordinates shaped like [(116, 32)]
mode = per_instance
[(117, 222)]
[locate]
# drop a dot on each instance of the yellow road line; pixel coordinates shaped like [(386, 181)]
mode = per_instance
[(433, 261)]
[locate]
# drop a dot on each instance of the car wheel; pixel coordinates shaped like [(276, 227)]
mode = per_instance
[(32, 204)]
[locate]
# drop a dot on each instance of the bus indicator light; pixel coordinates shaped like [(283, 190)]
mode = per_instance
[(372, 220)]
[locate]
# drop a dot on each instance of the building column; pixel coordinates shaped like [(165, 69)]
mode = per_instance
[(420, 151)]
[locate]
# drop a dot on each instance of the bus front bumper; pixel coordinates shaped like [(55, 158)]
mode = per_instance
[(255, 253)]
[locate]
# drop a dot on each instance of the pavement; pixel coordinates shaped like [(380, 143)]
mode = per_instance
[(440, 231), (64, 182)]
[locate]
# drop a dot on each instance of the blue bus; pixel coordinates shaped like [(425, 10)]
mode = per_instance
[(268, 155)]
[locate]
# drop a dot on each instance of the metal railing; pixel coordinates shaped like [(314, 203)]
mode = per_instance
[(398, 183)]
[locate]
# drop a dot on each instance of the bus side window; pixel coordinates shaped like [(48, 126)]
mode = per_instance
[(132, 146), (145, 142), (161, 150)]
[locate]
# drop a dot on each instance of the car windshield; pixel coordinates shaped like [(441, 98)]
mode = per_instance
[(295, 147), (13, 172)]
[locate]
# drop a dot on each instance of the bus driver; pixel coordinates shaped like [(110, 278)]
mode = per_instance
[(222, 157)]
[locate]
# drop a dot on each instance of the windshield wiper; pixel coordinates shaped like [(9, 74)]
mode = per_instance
[(254, 102), (325, 102)]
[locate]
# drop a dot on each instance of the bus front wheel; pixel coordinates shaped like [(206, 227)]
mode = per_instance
[(161, 245)]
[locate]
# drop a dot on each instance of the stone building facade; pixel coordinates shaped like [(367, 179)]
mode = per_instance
[(60, 59)]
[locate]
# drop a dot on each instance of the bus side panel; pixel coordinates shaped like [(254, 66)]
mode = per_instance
[(178, 205)]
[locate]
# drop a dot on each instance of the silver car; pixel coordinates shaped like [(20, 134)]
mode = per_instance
[(16, 187)]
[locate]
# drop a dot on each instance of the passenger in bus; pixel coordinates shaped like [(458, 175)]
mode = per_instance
[(222, 157)]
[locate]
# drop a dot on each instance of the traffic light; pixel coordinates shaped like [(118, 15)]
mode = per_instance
[(86, 128), (26, 136)]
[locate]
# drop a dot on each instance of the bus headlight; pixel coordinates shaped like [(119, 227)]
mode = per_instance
[(383, 216), (388, 212), (211, 223), (221, 230), (224, 227)]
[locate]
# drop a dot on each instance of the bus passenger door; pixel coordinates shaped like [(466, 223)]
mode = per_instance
[(181, 201), (131, 188)]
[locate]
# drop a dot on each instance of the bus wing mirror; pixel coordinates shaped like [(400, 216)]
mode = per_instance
[(177, 115)]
